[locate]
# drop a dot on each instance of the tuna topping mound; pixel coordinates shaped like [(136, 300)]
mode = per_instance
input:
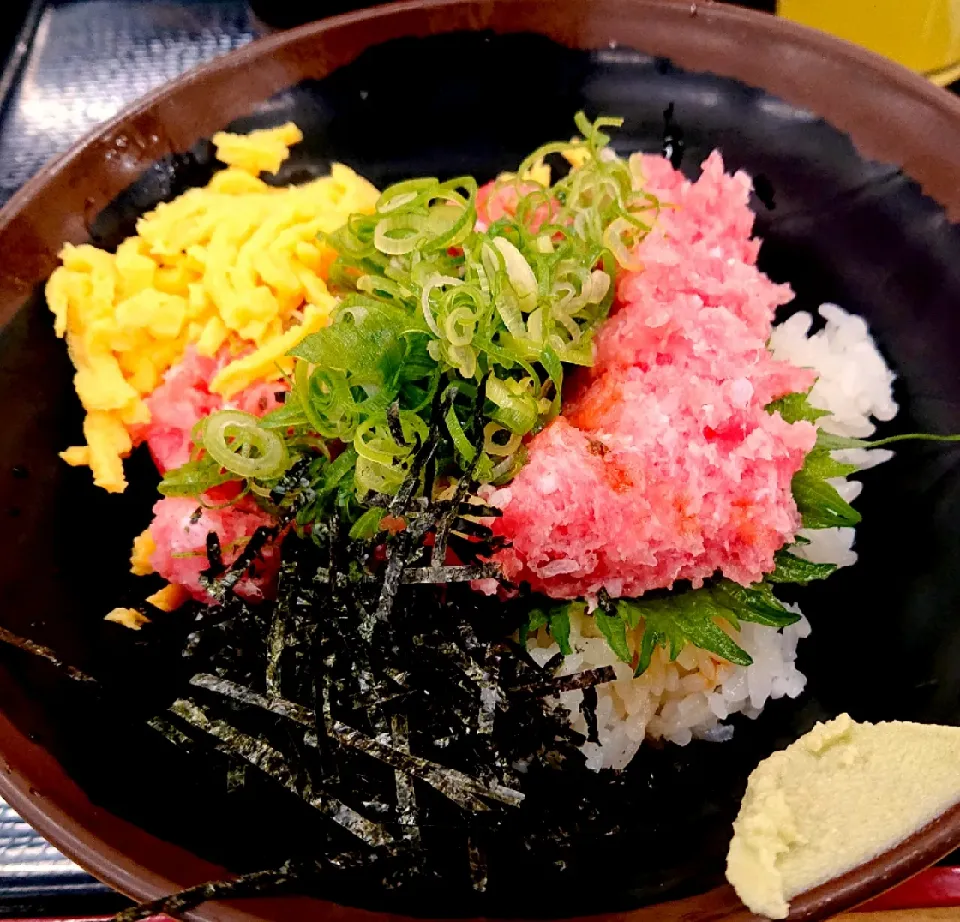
[(665, 464)]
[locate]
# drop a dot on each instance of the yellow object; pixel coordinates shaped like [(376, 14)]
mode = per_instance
[(143, 548), (264, 362), (260, 151), (538, 172), (923, 35), (576, 156), (128, 617), (169, 598), (839, 796), (234, 268)]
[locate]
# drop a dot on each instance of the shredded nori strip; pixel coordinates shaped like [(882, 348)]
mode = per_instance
[(378, 689), (444, 575), (257, 883), (276, 645), (566, 683), (270, 761), (588, 707), (296, 478), (673, 144), (470, 529), (393, 424), (480, 510), (422, 458), (343, 734), (393, 576), (607, 604), (244, 695), (214, 556), (171, 733), (323, 691), (448, 781), (479, 871), (470, 669), (38, 649), (292, 877), (246, 558), (236, 778), (491, 695), (553, 664), (437, 776), (465, 486), (407, 810)]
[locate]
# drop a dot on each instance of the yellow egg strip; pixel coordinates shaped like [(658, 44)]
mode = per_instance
[(127, 617), (170, 598), (235, 264), (143, 548), (270, 361)]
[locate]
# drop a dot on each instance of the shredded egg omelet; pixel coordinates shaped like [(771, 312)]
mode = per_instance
[(235, 265)]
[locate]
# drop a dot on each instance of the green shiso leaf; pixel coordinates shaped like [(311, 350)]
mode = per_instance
[(820, 505), (793, 569), (368, 525), (536, 619), (687, 618), (796, 407), (559, 628), (634, 628), (821, 464), (830, 442), (614, 629), (194, 478), (755, 603), (818, 501), (556, 620)]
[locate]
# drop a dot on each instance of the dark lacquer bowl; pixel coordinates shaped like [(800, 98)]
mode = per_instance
[(864, 162)]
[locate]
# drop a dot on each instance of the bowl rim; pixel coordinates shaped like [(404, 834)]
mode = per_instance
[(31, 780)]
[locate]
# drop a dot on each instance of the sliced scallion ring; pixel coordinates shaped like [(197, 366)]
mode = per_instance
[(239, 444)]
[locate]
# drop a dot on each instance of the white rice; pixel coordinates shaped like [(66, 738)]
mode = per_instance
[(855, 386), (692, 697)]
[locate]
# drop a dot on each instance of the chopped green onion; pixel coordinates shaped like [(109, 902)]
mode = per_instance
[(459, 437), (517, 407), (400, 233), (368, 525), (238, 443), (519, 274), (429, 300), (382, 462), (499, 448)]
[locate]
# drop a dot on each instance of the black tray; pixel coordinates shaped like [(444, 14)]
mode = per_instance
[(77, 62)]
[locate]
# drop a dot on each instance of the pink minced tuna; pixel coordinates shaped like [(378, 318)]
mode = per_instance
[(665, 465), (180, 525), (184, 398), (179, 531)]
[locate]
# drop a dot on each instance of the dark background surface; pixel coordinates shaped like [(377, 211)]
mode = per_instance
[(11, 19), (75, 64)]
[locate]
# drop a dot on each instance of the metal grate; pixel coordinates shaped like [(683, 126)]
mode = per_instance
[(89, 58), (28, 863)]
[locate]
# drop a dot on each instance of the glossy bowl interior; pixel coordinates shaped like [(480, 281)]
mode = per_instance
[(863, 161)]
